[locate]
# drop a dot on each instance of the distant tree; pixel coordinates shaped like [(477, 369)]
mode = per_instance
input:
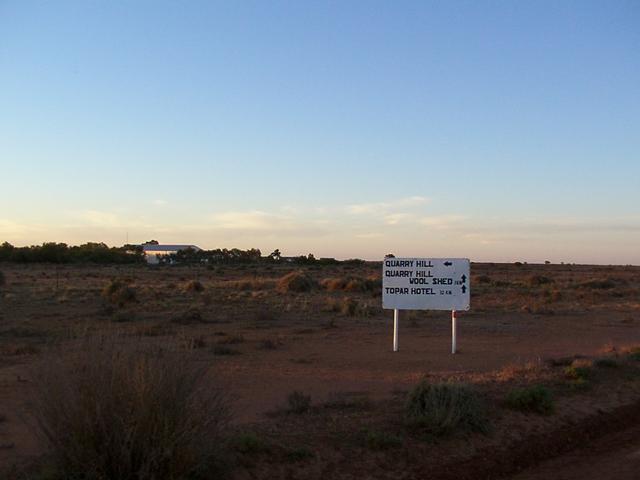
[(311, 258), (275, 254), (152, 242), (547, 262), (389, 255)]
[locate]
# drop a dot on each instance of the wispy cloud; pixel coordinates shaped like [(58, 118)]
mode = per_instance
[(252, 220), (100, 219), (396, 218), (12, 229), (442, 222), (382, 207)]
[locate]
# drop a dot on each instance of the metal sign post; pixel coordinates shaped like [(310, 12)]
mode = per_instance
[(396, 317), (426, 284), (454, 329)]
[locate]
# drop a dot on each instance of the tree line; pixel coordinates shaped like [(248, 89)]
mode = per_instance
[(100, 253), (52, 252)]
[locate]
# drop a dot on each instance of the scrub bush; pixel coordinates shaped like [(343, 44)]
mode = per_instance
[(443, 408), (536, 399), (126, 411), (298, 282)]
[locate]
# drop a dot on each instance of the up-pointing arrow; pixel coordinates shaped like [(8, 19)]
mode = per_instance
[(464, 278), (464, 288)]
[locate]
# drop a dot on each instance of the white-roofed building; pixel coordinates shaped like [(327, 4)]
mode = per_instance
[(153, 252)]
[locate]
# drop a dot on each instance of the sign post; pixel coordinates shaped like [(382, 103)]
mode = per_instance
[(454, 331), (396, 317), (426, 284)]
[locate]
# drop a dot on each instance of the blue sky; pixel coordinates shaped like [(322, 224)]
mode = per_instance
[(494, 130)]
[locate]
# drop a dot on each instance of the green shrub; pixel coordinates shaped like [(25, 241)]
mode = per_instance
[(606, 284), (116, 409), (381, 440), (123, 317), (300, 453), (298, 402), (249, 443), (536, 280), (269, 344), (580, 384), (531, 399), (574, 372), (443, 408), (224, 350), (607, 363), (189, 317), (231, 340)]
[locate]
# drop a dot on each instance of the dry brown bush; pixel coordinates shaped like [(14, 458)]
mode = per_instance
[(298, 282), (116, 409), (194, 286), (118, 292), (352, 284), (251, 284)]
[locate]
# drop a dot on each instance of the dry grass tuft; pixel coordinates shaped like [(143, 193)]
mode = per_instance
[(528, 370), (194, 286), (298, 282), (352, 284), (191, 316), (118, 292), (116, 409)]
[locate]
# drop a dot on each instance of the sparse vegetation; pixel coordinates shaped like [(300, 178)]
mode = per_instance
[(579, 374), (579, 370), (114, 409), (298, 282), (231, 340), (269, 344), (189, 317), (118, 292), (348, 401), (606, 362), (352, 284), (224, 350), (598, 284), (249, 443), (634, 353), (537, 280), (194, 286), (298, 402), (536, 399), (443, 408), (375, 440), (299, 454)]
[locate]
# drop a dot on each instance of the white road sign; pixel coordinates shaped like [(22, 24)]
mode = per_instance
[(426, 283)]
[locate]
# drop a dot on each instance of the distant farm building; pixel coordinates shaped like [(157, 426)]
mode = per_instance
[(153, 252)]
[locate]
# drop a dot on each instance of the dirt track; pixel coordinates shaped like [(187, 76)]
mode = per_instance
[(613, 457)]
